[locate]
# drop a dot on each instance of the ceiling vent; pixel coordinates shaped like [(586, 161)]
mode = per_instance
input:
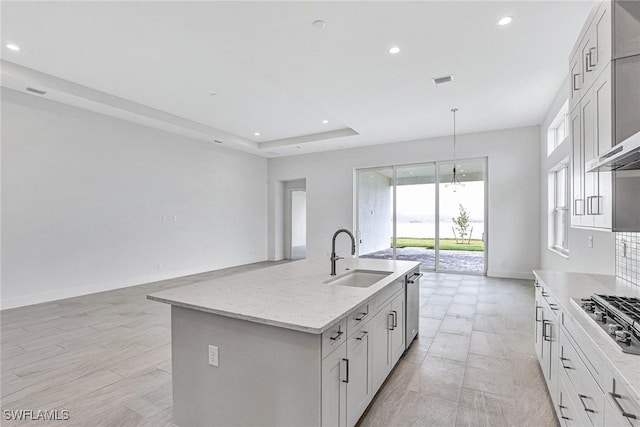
[(38, 91), (440, 80)]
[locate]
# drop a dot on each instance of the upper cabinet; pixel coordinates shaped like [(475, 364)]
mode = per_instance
[(603, 104)]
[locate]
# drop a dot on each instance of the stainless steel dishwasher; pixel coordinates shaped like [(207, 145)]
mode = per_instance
[(412, 313)]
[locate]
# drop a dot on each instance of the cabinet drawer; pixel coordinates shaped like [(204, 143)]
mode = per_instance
[(567, 408), (359, 317), (623, 406), (333, 337), (585, 348), (586, 394), (550, 300), (387, 293)]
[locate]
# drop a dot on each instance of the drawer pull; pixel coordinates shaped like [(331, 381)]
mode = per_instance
[(395, 319), (586, 409), (563, 359), (625, 414), (360, 316), (392, 326), (337, 336), (553, 306), (361, 337), (560, 407)]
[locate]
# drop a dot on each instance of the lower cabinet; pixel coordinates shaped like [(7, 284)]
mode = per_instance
[(547, 337), (354, 371), (334, 388)]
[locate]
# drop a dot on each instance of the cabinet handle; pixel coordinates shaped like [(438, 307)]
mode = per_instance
[(545, 294), (360, 316), (395, 319), (545, 336), (625, 414), (574, 82), (564, 359), (589, 205), (361, 337), (586, 409), (391, 327), (337, 336), (587, 62), (553, 306), (560, 408), (592, 50), (347, 368), (537, 319), (415, 277)]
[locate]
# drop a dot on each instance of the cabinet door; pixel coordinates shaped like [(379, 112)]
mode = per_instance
[(575, 75), (397, 334), (577, 167), (334, 388), (587, 49), (587, 117), (602, 204), (381, 356), (566, 409), (601, 49), (360, 385), (612, 416), (553, 337), (538, 326)]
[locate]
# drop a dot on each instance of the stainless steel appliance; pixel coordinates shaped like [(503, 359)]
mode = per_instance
[(618, 316), (412, 312)]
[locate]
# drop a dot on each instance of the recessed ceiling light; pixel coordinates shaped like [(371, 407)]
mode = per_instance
[(325, 121), (440, 80), (13, 47), (256, 134), (319, 24), (394, 50), (505, 21)]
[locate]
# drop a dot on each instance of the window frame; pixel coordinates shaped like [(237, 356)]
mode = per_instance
[(555, 210)]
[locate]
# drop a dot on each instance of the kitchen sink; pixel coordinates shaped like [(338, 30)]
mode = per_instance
[(359, 278)]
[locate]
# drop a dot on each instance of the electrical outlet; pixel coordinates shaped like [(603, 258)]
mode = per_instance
[(590, 241), (213, 355)]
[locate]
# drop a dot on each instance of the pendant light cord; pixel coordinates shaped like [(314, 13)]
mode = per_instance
[(453, 110)]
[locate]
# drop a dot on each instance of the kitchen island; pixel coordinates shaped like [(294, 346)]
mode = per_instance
[(288, 344)]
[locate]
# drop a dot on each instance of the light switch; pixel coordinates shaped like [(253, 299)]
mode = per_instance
[(213, 355)]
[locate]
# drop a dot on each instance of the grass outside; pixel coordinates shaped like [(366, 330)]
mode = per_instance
[(445, 244)]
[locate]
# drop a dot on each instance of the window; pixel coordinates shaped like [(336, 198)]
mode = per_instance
[(559, 210), (559, 129)]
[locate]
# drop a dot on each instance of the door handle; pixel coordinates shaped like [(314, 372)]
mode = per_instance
[(415, 277), (545, 336), (574, 82), (347, 369), (537, 319), (395, 319), (391, 327)]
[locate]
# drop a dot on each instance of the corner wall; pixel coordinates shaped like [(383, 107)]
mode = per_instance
[(92, 203), (600, 259), (513, 191)]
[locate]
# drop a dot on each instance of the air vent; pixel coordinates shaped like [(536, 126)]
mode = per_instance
[(38, 91), (440, 80)]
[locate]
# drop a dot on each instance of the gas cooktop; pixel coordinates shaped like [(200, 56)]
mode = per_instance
[(618, 316)]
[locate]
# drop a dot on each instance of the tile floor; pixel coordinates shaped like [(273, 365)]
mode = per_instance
[(106, 358)]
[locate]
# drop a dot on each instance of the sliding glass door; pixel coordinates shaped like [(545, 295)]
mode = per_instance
[(413, 212)]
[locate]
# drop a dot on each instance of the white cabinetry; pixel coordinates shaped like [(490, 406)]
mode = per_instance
[(334, 388), (365, 347), (547, 333), (591, 121)]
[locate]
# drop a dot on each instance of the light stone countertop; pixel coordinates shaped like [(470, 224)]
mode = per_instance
[(291, 295), (565, 286)]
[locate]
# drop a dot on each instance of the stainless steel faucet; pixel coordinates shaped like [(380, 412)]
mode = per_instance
[(334, 258)]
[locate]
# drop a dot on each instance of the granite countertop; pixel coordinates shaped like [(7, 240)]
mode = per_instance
[(565, 286), (291, 295)]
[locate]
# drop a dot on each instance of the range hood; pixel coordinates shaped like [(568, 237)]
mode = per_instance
[(623, 156)]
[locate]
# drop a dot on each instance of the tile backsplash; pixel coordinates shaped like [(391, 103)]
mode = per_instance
[(628, 257)]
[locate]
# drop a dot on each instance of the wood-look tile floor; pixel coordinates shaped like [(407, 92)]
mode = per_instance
[(106, 358)]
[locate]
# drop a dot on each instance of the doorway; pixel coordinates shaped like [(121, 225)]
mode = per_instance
[(412, 212), (295, 218)]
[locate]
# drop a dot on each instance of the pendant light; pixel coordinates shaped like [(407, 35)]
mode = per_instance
[(455, 183)]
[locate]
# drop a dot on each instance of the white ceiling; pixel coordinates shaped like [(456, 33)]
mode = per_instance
[(224, 70)]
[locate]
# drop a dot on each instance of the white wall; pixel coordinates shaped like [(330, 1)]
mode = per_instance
[(84, 197), (298, 218), (375, 212), (514, 191), (597, 260)]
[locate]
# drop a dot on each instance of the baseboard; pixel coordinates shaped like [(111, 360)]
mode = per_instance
[(511, 274), (59, 294)]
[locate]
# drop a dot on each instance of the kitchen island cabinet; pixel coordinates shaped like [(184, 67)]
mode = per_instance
[(290, 348)]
